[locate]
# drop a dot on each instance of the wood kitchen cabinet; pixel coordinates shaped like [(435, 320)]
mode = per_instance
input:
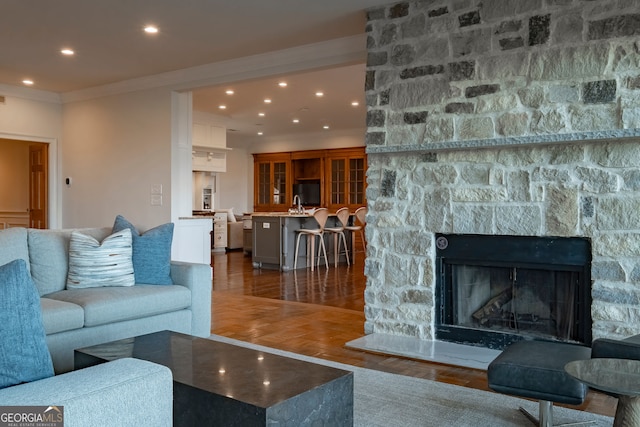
[(308, 176), (272, 182), (345, 178), (219, 242), (325, 178)]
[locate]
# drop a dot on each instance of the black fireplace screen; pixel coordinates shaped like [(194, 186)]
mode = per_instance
[(494, 290)]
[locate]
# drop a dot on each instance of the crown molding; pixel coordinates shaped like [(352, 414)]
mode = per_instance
[(30, 93), (330, 53)]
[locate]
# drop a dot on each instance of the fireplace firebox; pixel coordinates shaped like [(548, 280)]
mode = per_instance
[(494, 290)]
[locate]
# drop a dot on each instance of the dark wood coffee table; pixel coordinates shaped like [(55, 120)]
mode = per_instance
[(226, 385)]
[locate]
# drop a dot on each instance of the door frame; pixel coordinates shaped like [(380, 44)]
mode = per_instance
[(54, 203)]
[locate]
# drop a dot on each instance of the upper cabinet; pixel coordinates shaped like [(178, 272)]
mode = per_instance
[(308, 177), (209, 145), (321, 178), (346, 178), (208, 136), (272, 182)]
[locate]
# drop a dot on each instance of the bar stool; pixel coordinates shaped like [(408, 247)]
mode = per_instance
[(320, 215), (359, 224), (338, 235)]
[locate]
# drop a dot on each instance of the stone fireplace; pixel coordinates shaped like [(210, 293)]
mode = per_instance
[(502, 118)]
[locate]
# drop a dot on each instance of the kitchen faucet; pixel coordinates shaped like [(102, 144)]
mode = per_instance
[(299, 208)]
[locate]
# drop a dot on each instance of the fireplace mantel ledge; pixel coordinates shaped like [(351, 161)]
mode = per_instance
[(515, 141)]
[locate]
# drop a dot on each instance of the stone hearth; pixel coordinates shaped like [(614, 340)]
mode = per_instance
[(501, 117)]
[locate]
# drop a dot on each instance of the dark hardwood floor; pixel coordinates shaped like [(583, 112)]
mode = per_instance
[(316, 313)]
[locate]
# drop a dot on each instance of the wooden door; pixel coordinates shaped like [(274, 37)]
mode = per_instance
[(38, 185)]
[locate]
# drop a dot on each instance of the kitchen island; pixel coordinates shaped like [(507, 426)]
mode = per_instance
[(274, 240)]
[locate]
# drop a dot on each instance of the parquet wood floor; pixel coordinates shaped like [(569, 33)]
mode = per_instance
[(316, 313)]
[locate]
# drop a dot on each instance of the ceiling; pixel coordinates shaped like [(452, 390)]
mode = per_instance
[(110, 46), (298, 100)]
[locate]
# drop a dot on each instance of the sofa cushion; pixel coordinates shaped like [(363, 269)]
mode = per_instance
[(49, 256), (24, 355), (13, 245), (60, 316), (114, 304), (151, 252), (94, 264)]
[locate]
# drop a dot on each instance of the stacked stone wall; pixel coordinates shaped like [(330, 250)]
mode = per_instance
[(441, 72), (465, 70)]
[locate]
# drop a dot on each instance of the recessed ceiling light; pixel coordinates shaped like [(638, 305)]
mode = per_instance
[(260, 133), (151, 29), (319, 93), (27, 82), (222, 107), (67, 51), (282, 84), (229, 92), (325, 127), (267, 101), (355, 103), (261, 114), (296, 121)]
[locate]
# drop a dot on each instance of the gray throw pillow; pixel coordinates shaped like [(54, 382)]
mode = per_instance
[(93, 264), (24, 355)]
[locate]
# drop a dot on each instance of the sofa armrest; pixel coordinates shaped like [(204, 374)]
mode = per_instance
[(196, 277), (235, 236), (125, 392), (608, 348)]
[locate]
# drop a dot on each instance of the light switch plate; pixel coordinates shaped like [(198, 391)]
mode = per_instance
[(156, 200), (156, 188)]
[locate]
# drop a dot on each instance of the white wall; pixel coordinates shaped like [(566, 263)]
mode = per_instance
[(115, 149), (233, 189), (28, 117), (315, 141)]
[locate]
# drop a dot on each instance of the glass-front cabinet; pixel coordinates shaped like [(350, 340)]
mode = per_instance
[(332, 178), (272, 182), (346, 178)]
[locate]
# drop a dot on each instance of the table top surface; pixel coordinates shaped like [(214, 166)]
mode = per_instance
[(618, 376), (256, 377)]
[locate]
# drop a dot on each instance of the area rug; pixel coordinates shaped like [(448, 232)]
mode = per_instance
[(390, 400)]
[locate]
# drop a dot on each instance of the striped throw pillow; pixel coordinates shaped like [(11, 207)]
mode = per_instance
[(93, 264)]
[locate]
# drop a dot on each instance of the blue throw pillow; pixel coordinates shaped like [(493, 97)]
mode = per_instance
[(151, 252), (24, 355)]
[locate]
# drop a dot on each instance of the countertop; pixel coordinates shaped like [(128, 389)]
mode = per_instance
[(283, 214), (196, 217)]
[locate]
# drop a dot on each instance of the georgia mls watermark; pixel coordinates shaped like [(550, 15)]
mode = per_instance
[(31, 416)]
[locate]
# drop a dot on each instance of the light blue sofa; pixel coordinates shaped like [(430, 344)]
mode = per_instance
[(79, 318), (124, 393)]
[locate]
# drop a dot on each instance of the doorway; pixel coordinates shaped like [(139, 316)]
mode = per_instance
[(25, 170)]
